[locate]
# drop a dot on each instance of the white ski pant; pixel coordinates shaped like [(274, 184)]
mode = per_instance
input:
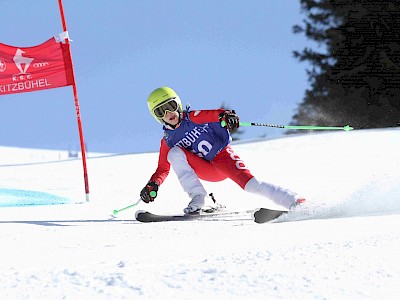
[(276, 194), (191, 184), (189, 180)]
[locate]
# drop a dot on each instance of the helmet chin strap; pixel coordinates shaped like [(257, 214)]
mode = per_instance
[(174, 126)]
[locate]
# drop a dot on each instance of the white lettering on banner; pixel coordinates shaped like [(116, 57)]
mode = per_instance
[(40, 64), (24, 86), (21, 77), (239, 163)]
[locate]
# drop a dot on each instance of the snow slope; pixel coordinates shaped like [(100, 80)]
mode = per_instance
[(343, 244)]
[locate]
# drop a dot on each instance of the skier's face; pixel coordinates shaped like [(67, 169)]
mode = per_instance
[(171, 117)]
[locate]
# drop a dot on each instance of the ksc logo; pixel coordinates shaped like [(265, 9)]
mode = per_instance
[(22, 63)]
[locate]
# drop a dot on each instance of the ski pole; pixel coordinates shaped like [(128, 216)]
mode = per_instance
[(345, 128), (116, 211)]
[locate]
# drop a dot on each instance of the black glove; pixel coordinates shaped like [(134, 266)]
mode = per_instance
[(231, 120), (146, 194)]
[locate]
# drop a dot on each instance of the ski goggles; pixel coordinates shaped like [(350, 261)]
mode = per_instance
[(168, 105)]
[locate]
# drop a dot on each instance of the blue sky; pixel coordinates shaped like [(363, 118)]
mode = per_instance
[(210, 52)]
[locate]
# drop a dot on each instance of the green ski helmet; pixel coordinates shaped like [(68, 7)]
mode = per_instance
[(161, 96)]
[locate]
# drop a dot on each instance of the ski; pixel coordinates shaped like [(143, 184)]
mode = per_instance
[(148, 217), (265, 215), (261, 215)]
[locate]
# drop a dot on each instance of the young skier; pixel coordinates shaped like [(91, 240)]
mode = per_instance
[(196, 145)]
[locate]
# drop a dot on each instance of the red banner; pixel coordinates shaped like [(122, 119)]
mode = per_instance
[(28, 69)]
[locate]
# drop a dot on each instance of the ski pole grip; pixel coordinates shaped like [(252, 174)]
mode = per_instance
[(153, 194)]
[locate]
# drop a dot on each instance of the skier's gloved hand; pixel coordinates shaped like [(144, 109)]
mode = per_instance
[(231, 120), (147, 193)]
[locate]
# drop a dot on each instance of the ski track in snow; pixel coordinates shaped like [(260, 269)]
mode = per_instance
[(343, 243)]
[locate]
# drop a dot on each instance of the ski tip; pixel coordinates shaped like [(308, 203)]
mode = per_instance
[(265, 215), (253, 214), (139, 212)]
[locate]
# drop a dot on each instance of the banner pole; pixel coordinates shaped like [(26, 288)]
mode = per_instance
[(78, 114)]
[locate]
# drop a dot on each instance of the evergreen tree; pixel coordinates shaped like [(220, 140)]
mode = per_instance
[(356, 78)]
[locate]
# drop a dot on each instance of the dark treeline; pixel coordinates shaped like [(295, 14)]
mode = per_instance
[(354, 72)]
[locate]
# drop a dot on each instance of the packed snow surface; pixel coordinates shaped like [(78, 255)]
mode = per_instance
[(343, 243)]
